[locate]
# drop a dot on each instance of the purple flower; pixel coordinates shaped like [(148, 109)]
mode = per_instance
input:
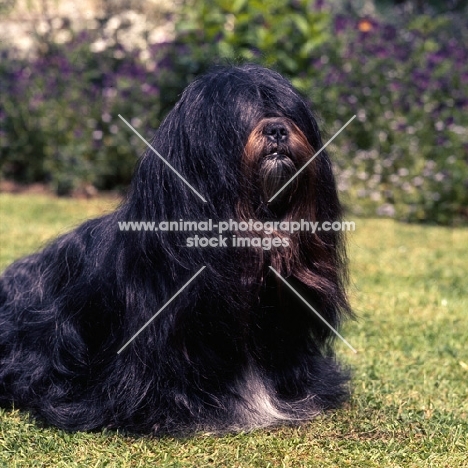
[(341, 23)]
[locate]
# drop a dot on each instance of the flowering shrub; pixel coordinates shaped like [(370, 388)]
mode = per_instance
[(60, 122), (407, 154)]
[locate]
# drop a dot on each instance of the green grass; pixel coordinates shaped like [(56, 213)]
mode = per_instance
[(410, 401)]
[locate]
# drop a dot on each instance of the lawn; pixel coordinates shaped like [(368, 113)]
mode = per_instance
[(410, 396)]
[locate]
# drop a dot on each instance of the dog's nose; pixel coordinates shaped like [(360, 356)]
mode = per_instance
[(276, 132)]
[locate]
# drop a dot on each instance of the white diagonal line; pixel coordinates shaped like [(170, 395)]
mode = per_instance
[(311, 308), (162, 159), (312, 158), (161, 309)]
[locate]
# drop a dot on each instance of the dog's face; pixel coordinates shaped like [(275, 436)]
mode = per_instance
[(276, 150)]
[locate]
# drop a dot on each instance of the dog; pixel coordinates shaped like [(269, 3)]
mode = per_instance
[(236, 349)]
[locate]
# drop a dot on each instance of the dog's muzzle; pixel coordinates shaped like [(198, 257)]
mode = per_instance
[(275, 170)]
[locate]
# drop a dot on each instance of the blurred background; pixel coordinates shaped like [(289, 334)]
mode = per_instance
[(68, 69)]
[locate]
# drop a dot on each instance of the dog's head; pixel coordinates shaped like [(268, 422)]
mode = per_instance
[(237, 134)]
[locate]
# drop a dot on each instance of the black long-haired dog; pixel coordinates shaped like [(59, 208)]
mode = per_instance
[(236, 349)]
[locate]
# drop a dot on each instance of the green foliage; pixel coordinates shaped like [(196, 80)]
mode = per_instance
[(275, 33), (278, 33)]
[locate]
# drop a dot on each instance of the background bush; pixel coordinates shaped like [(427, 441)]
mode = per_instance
[(407, 153), (60, 119), (406, 79)]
